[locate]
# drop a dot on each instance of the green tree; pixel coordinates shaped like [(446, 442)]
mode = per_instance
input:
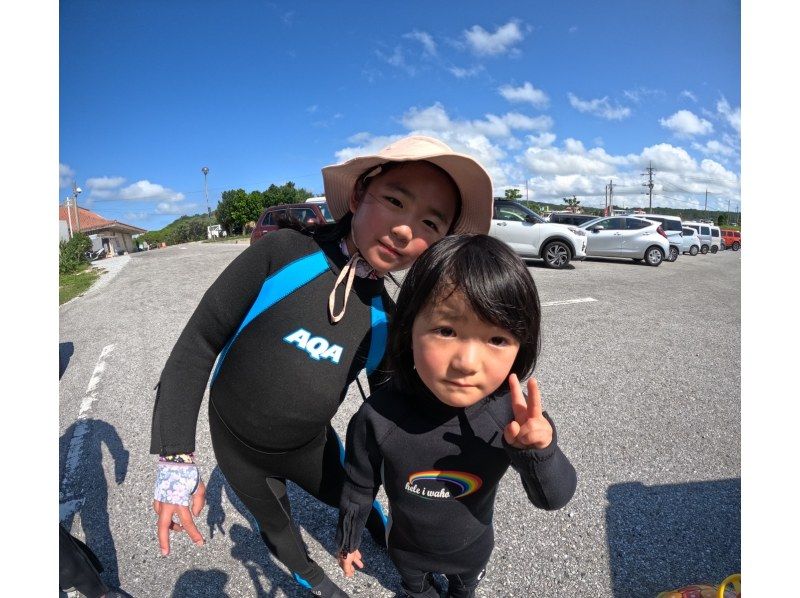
[(237, 208), (71, 253), (288, 193), (513, 194), (572, 202), (722, 219)]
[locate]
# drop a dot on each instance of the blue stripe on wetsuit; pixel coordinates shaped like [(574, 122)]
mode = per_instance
[(380, 325), (281, 284)]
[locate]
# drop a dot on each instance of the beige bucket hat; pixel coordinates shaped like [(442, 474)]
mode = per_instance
[(471, 178)]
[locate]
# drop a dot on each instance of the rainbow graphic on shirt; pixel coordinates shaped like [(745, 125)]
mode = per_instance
[(439, 484)]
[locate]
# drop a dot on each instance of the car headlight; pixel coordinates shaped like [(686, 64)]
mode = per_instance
[(577, 231)]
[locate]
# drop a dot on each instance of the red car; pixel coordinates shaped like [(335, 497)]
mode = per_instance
[(731, 239), (305, 213)]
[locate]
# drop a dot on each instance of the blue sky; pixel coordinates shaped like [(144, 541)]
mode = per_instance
[(565, 95)]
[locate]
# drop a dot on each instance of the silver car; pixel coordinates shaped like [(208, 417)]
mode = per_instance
[(691, 242), (626, 237)]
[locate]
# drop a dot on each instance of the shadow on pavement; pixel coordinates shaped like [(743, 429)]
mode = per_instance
[(65, 351), (201, 583), (82, 442), (317, 518), (664, 537)]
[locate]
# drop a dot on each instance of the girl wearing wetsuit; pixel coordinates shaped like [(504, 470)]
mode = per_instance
[(444, 433), (290, 323)]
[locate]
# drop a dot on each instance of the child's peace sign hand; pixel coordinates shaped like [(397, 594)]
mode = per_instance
[(529, 428)]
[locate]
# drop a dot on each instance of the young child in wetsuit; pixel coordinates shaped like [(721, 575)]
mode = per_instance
[(440, 438), (291, 322)]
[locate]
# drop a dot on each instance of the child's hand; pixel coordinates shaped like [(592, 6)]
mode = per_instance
[(529, 428), (347, 562)]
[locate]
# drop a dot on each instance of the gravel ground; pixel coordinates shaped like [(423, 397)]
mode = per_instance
[(643, 384)]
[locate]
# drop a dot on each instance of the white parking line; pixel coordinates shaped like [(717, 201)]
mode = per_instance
[(568, 301), (70, 495)]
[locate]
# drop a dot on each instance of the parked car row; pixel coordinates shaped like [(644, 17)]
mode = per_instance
[(651, 238)]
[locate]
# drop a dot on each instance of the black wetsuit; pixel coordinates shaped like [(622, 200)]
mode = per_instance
[(282, 373), (440, 467)]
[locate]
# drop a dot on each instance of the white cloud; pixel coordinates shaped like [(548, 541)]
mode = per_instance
[(462, 73), (541, 140), (688, 94), (714, 148), (483, 43), (435, 118), (526, 93), (639, 94), (599, 107), (397, 59), (685, 123), (573, 29), (425, 39), (312, 109), (511, 152), (146, 191), (734, 117), (65, 176), (165, 207), (104, 186)]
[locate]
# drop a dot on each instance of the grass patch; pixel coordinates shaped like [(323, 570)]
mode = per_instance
[(72, 285)]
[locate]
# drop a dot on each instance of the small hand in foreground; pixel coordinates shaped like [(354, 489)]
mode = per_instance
[(529, 428), (346, 562), (166, 511)]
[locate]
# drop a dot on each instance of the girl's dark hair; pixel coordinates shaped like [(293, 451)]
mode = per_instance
[(493, 280)]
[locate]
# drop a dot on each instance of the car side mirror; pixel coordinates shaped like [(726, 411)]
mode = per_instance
[(596, 229), (530, 219)]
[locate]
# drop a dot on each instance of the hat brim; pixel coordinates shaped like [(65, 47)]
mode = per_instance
[(472, 180)]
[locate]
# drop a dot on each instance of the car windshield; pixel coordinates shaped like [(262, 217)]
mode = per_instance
[(520, 208), (325, 212)]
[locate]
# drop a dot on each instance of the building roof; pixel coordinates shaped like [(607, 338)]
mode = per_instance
[(86, 221)]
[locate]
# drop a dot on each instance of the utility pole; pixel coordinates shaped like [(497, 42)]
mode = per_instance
[(527, 199), (205, 186), (69, 216), (705, 208), (605, 207), (610, 197), (75, 192), (649, 184)]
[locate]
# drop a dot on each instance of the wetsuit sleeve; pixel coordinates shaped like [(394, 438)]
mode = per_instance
[(362, 478), (547, 475), (180, 390)]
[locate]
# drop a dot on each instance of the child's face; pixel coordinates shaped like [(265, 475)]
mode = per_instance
[(458, 356), (403, 212)]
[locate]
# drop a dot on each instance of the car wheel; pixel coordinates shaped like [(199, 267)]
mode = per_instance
[(673, 253), (654, 256), (735, 246), (704, 249), (714, 249), (556, 254), (693, 250)]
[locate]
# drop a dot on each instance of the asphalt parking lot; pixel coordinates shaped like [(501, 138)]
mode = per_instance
[(640, 369)]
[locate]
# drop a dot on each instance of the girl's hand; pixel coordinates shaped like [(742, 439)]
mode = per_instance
[(346, 562), (166, 518), (529, 428)]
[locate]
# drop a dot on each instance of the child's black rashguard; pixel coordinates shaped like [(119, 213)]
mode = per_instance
[(440, 467)]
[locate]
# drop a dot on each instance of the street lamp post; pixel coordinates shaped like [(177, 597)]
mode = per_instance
[(76, 191), (205, 186), (69, 216)]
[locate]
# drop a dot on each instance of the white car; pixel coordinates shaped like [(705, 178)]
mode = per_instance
[(672, 226), (716, 239), (630, 237), (704, 232), (531, 237), (691, 242)]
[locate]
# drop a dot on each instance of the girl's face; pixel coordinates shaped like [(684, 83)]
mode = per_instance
[(458, 356), (402, 213)]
